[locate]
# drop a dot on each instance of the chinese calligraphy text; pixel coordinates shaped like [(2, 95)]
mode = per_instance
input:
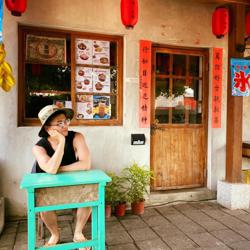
[(145, 84), (217, 87), (240, 73)]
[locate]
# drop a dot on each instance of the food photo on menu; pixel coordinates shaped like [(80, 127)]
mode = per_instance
[(62, 103), (84, 107), (84, 51), (83, 79), (101, 53), (59, 103), (101, 107), (101, 80)]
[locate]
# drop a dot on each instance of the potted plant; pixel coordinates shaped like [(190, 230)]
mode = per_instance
[(120, 204), (115, 195), (121, 196), (138, 178)]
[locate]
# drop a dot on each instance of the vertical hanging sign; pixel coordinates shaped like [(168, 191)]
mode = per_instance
[(240, 73), (217, 87), (145, 84)]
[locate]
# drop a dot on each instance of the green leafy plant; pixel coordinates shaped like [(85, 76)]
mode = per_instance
[(138, 178), (115, 192), (178, 90)]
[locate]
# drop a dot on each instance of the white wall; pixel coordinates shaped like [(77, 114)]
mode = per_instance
[(178, 22), (246, 107), (246, 128)]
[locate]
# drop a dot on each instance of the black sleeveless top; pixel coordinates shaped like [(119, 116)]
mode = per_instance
[(69, 156)]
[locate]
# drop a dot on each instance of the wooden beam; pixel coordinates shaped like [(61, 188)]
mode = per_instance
[(245, 2), (234, 104)]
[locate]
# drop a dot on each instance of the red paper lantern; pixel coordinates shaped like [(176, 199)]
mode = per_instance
[(248, 24), (220, 22), (129, 13), (17, 7)]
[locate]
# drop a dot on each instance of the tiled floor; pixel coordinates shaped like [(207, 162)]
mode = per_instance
[(196, 225)]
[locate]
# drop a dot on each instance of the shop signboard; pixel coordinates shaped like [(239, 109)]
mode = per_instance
[(45, 50), (240, 77)]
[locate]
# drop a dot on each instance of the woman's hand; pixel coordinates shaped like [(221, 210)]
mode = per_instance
[(51, 164), (83, 155), (55, 135)]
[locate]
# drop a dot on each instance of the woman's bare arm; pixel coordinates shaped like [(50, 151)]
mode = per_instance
[(82, 151), (46, 163)]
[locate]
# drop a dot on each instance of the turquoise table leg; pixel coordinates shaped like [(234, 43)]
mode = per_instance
[(31, 220), (30, 182), (101, 217), (94, 229)]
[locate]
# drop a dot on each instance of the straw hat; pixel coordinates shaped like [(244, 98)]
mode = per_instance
[(49, 110)]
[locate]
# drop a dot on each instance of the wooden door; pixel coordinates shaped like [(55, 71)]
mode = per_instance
[(179, 117)]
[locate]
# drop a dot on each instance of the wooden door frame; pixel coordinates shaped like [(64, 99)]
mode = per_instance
[(205, 92)]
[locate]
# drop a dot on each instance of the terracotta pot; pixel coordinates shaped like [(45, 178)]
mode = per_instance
[(120, 209), (108, 210), (137, 207)]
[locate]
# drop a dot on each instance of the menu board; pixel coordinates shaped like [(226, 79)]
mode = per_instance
[(84, 79), (101, 53), (84, 51), (84, 107), (68, 104), (92, 76), (63, 104), (92, 52), (93, 107), (101, 80), (101, 107)]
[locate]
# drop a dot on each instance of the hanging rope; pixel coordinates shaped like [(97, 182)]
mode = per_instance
[(7, 80)]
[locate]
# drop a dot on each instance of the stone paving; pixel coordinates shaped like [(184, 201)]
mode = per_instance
[(193, 225)]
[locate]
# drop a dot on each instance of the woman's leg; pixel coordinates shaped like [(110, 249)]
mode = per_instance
[(50, 220), (82, 216)]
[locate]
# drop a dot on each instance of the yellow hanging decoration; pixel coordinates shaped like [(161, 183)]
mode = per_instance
[(7, 80)]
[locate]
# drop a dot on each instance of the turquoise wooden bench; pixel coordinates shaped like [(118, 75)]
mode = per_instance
[(48, 192)]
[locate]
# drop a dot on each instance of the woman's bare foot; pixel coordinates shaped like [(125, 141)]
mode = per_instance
[(79, 237), (54, 239)]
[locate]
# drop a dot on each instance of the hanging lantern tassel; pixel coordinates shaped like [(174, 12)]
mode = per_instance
[(7, 80), (129, 13), (220, 22)]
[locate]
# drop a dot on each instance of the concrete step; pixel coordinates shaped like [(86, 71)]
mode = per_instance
[(180, 195)]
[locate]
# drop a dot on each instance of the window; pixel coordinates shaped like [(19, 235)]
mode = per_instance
[(82, 71), (178, 81)]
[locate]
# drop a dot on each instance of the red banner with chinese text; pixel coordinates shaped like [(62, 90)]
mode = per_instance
[(217, 87), (145, 84)]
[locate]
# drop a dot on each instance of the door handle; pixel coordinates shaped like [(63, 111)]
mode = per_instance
[(153, 126)]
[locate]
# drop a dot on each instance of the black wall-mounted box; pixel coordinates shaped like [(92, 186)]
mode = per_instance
[(138, 139)]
